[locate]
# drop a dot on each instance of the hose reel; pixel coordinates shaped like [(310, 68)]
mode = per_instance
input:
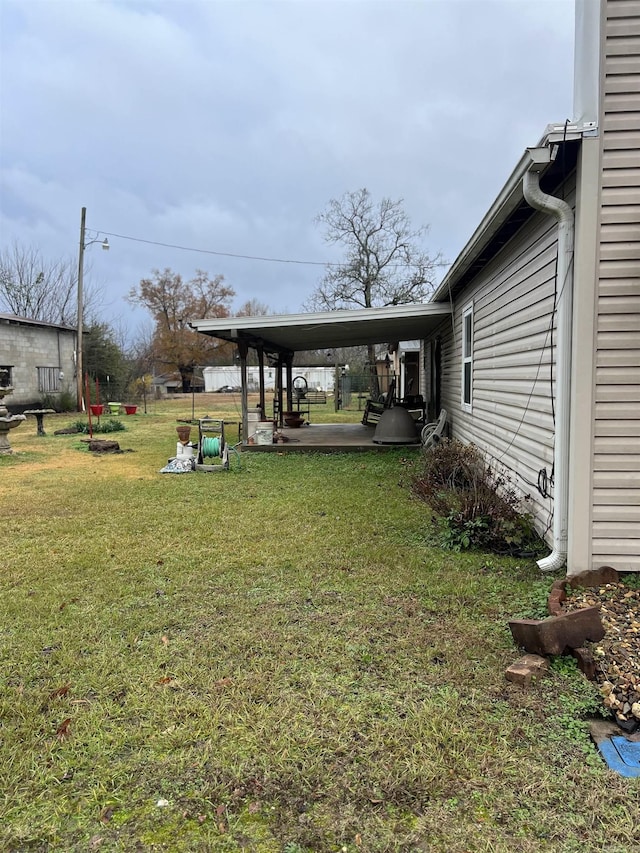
[(212, 446)]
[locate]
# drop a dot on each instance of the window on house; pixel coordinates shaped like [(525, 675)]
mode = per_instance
[(467, 357), (5, 375), (48, 379)]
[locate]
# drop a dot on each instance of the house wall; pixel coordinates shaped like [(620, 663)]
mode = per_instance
[(616, 446), (511, 416), (26, 347)]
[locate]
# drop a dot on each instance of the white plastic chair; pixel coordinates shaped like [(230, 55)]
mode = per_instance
[(432, 433)]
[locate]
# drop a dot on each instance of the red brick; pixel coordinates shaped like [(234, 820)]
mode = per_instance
[(536, 663), (519, 674), (525, 669), (556, 599), (586, 662)]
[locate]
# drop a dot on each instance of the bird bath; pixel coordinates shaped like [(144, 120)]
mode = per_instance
[(7, 421)]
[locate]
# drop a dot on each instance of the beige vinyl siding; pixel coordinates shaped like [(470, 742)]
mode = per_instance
[(512, 414), (616, 460)]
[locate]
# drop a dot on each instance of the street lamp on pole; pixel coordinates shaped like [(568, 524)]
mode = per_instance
[(83, 245)]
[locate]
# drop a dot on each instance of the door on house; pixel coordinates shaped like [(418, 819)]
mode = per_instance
[(433, 372)]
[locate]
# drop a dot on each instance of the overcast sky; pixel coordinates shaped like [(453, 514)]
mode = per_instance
[(228, 126)]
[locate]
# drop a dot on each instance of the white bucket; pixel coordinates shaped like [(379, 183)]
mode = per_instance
[(264, 432), (253, 419), (184, 451)]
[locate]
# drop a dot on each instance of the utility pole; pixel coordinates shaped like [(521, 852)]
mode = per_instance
[(83, 217), (83, 245)]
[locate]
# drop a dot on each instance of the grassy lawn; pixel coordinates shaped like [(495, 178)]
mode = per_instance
[(275, 658)]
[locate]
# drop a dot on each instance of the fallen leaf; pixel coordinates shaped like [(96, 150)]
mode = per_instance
[(106, 814), (221, 810), (254, 808), (61, 691), (165, 640), (64, 603), (358, 839), (166, 680), (62, 732), (223, 682)]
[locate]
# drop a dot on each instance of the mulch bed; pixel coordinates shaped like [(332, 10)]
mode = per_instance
[(617, 656)]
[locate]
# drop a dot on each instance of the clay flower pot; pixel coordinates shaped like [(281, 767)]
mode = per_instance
[(293, 419), (96, 409), (183, 433)]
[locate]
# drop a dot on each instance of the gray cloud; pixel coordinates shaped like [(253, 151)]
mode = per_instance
[(228, 126)]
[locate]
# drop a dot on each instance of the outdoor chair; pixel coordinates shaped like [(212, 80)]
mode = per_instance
[(374, 408), (433, 433)]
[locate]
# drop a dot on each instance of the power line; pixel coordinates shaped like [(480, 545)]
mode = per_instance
[(221, 254), (234, 255)]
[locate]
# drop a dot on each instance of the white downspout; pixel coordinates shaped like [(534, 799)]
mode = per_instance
[(539, 200)]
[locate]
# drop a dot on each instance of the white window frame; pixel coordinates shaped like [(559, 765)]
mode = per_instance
[(467, 358)]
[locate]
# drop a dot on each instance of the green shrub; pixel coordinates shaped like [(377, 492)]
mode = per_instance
[(64, 401), (110, 425), (474, 505)]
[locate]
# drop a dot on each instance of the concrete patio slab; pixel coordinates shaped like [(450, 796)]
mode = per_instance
[(327, 438)]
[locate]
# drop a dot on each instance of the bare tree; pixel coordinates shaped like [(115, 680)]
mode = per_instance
[(172, 302), (253, 308), (34, 287), (384, 262)]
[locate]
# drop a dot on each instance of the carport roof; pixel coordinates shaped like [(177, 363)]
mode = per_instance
[(328, 329)]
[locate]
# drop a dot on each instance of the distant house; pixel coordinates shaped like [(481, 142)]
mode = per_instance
[(40, 360), (540, 362), (171, 383)]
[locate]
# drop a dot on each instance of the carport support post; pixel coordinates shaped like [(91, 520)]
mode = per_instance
[(289, 362), (242, 352), (279, 367), (260, 351)]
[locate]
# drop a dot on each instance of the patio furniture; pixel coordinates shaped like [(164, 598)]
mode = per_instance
[(374, 408), (433, 433), (415, 404)]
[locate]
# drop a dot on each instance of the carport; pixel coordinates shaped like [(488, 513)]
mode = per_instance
[(278, 337)]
